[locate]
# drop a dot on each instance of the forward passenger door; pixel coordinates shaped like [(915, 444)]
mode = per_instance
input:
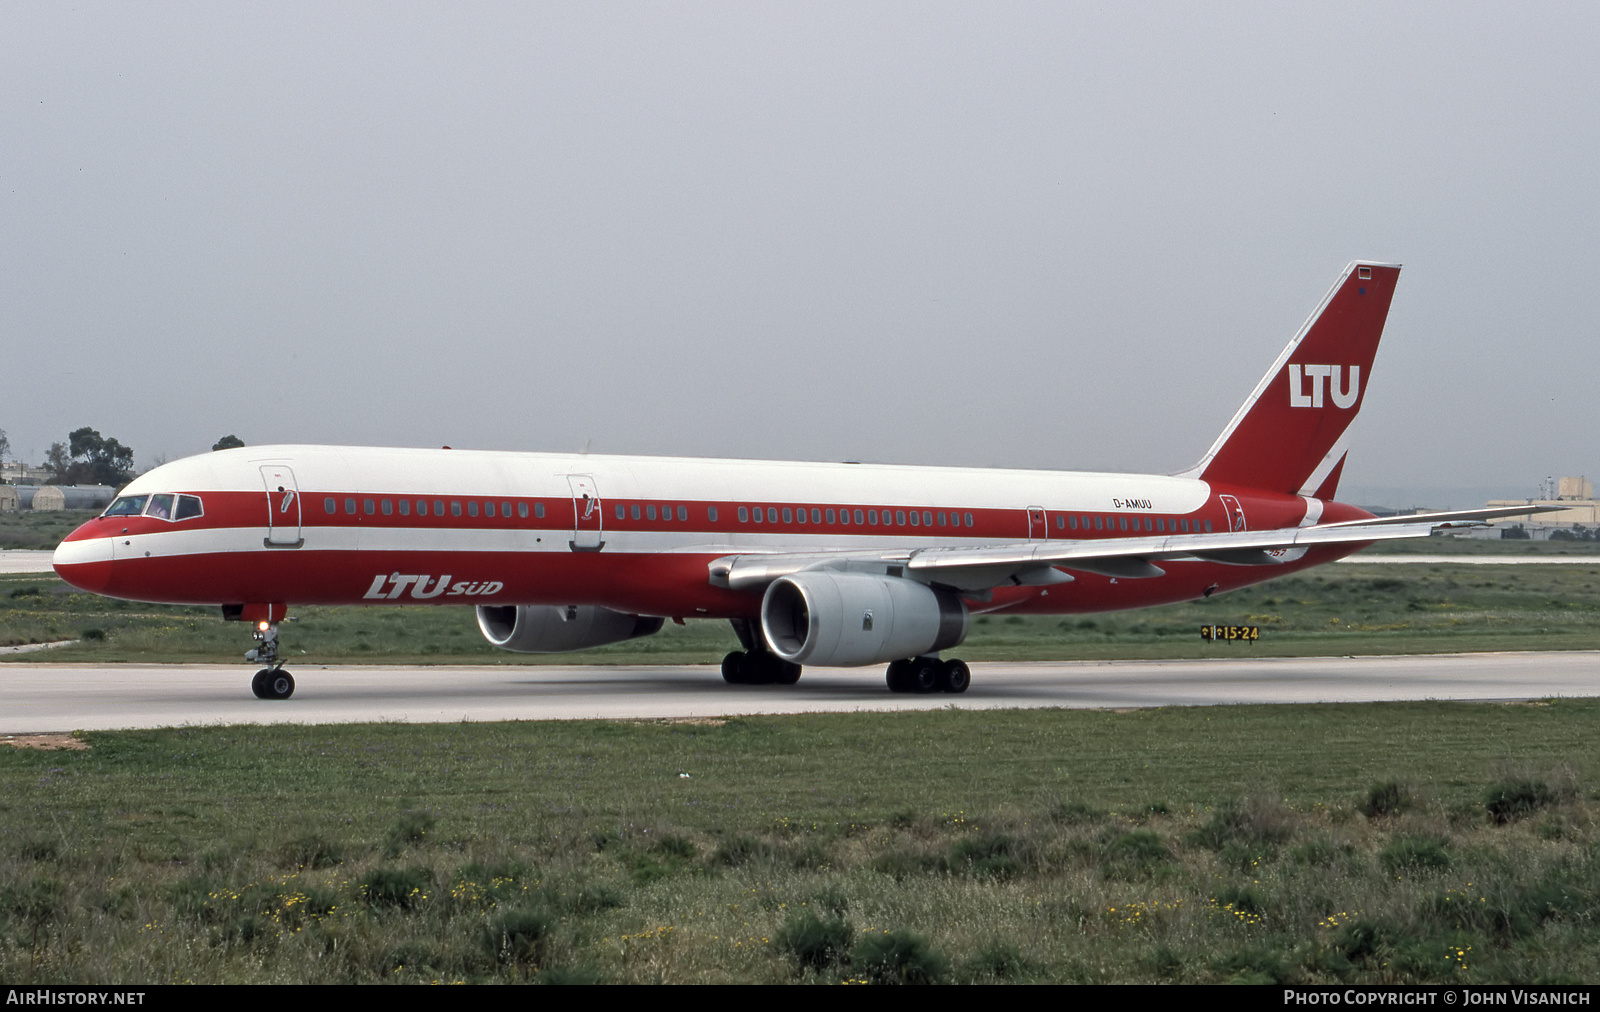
[(283, 507)]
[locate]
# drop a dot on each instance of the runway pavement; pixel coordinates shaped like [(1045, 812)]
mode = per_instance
[(50, 697), (18, 560)]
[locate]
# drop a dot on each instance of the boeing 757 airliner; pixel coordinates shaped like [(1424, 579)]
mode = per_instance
[(812, 563)]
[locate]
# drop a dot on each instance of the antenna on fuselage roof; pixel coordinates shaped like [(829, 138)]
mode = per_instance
[(585, 451)]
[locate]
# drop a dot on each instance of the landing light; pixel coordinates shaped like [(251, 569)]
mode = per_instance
[(262, 626)]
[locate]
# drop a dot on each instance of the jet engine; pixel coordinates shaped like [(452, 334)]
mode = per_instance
[(550, 629), (834, 618)]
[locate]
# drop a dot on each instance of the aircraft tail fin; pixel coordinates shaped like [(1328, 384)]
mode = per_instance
[(1289, 435)]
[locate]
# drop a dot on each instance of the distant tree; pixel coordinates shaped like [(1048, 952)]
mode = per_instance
[(89, 458), (228, 442), (59, 463), (5, 447)]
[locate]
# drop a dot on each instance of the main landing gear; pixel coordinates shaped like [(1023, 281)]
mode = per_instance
[(271, 682), (928, 674), (758, 667), (755, 664)]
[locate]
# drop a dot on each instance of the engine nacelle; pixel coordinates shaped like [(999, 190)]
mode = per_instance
[(845, 619), (548, 629)]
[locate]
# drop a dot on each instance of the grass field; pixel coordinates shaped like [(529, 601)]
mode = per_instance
[(1380, 843), (39, 531)]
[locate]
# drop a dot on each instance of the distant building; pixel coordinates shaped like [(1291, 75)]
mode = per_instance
[(56, 497), (1577, 507), (73, 497), (15, 472)]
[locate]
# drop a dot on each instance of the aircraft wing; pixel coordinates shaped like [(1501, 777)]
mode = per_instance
[(1041, 563)]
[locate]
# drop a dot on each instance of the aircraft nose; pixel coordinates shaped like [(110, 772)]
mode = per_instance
[(84, 559)]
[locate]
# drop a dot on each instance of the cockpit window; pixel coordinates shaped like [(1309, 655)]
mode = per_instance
[(160, 506), (126, 506)]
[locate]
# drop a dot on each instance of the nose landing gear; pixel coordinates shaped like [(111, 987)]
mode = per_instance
[(271, 682)]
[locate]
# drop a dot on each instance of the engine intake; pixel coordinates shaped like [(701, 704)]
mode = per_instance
[(549, 629), (847, 619)]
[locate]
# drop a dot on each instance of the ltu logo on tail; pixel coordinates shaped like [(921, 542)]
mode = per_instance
[(1319, 376)]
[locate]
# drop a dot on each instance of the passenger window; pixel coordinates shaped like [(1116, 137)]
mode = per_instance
[(916, 521), (388, 508), (666, 512), (1208, 527), (1072, 523), (405, 507), (505, 510), (900, 517), (927, 518), (350, 507), (744, 515), (858, 517), (683, 513), (872, 517), (522, 510), (650, 511), (369, 507), (1124, 523), (422, 507), (455, 507), (788, 515), (329, 505), (757, 514), (941, 519), (832, 517), (188, 506), (472, 508), (711, 514), (772, 514), (438, 508), (488, 508), (637, 512), (969, 520), (538, 510)]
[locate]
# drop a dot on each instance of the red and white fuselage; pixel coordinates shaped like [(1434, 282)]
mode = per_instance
[(634, 534), (819, 563)]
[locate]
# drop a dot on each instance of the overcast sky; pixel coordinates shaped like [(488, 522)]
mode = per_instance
[(1058, 235)]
